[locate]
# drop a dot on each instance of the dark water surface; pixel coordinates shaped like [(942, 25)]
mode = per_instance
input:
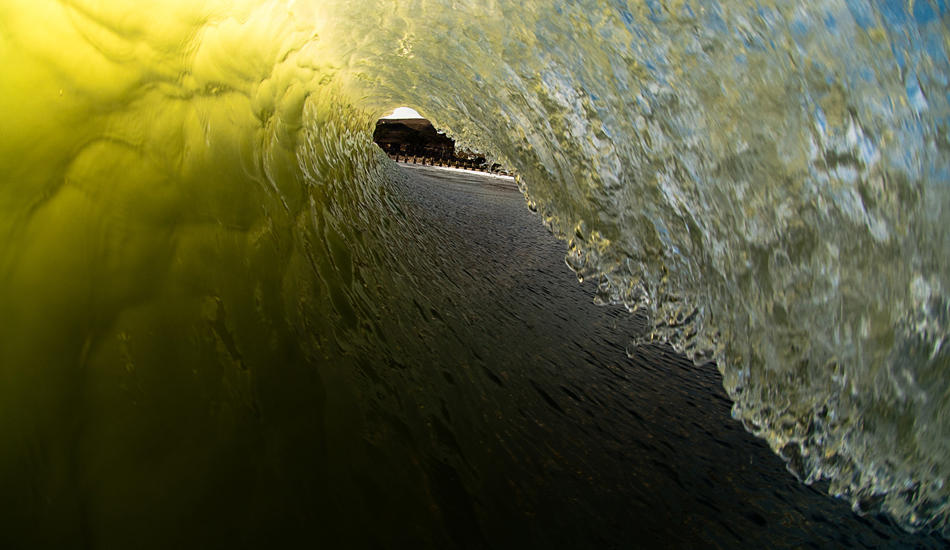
[(457, 389), (548, 435)]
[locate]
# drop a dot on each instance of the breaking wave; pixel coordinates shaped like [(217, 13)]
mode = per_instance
[(767, 182)]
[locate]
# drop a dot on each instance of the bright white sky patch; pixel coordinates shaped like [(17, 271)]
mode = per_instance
[(404, 112)]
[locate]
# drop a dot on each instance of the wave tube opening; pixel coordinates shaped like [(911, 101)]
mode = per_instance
[(403, 112), (200, 240)]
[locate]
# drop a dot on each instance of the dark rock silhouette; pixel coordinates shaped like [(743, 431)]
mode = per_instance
[(416, 140), (413, 137)]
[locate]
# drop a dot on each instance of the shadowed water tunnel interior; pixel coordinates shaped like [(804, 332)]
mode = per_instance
[(229, 319)]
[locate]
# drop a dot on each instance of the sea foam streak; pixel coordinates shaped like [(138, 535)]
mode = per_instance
[(767, 181)]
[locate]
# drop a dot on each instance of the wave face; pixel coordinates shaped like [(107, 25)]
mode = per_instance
[(190, 188)]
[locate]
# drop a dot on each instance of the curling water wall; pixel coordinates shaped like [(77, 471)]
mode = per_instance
[(193, 219)]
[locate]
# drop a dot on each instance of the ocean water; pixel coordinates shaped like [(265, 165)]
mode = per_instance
[(224, 313)]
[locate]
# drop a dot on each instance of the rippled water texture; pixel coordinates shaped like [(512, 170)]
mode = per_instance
[(199, 241)]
